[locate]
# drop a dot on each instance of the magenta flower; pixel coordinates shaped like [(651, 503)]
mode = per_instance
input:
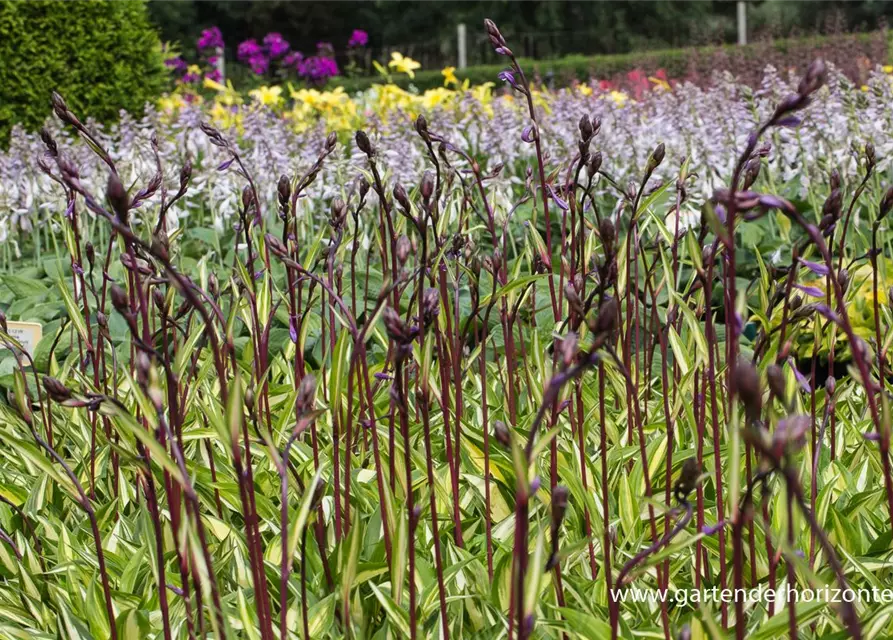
[(248, 49), (210, 39), (293, 60), (318, 69), (358, 38), (259, 64), (213, 75), (177, 64), (276, 45)]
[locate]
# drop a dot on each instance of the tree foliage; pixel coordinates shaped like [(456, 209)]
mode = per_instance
[(104, 56)]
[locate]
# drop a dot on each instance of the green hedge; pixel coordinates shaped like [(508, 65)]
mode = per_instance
[(748, 60), (101, 56)]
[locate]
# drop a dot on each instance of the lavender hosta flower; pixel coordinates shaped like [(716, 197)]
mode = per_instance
[(687, 120)]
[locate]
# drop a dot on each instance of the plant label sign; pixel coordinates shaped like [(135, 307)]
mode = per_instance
[(27, 333)]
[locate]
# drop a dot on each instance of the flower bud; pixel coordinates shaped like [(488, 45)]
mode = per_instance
[(430, 305), (427, 187), (421, 125), (843, 277), (364, 187), (830, 385), (656, 157), (331, 141), (560, 497), (319, 492), (363, 143), (607, 317), (339, 213), (275, 245), (567, 348), (306, 393), (870, 155), (688, 479), (814, 78), (284, 190), (749, 390), (834, 180), (120, 301), (886, 203), (585, 128), (404, 248), (608, 234), (118, 198), (401, 197), (396, 328), (789, 435), (56, 391), (158, 299), (595, 163), (185, 175), (247, 197), (775, 378), (501, 433)]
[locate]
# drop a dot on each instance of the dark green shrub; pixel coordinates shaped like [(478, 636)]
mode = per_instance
[(101, 56)]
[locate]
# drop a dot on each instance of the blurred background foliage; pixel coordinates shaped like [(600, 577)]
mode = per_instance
[(543, 28)]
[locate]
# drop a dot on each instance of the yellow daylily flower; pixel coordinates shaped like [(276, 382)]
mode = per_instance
[(267, 96), (660, 83), (211, 84), (887, 68), (449, 77), (618, 97), (403, 64)]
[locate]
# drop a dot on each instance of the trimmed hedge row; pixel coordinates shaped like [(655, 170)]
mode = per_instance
[(852, 53), (101, 56)]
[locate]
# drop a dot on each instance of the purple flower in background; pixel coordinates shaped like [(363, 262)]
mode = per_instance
[(276, 45), (325, 49), (191, 78), (248, 49), (177, 64), (293, 60), (259, 64), (210, 39), (213, 75), (358, 38), (318, 69)]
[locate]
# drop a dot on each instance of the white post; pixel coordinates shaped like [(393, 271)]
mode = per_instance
[(221, 65), (461, 46), (742, 22)]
